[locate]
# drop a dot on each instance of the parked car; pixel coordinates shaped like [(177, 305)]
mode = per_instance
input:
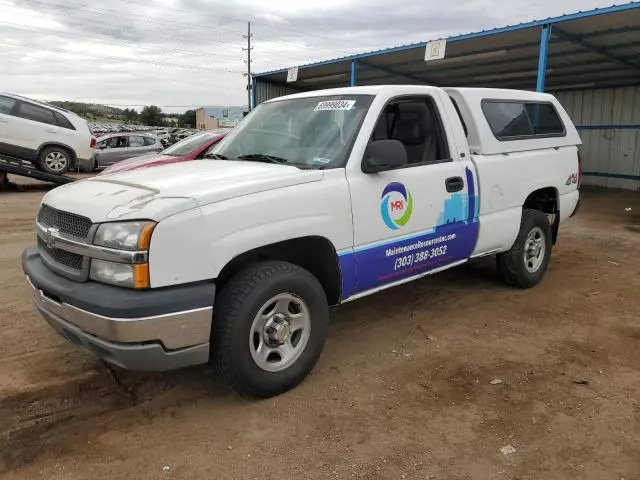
[(117, 147), (54, 139), (191, 148), (317, 199)]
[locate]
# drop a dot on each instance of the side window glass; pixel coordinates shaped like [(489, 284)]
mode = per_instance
[(6, 104), (36, 113), (414, 122), (62, 121), (149, 141), (544, 119), (116, 142), (514, 120), (507, 119), (136, 141)]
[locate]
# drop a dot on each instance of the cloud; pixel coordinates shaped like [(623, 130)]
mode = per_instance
[(179, 52)]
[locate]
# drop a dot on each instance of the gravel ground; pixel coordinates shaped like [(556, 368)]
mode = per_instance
[(430, 380)]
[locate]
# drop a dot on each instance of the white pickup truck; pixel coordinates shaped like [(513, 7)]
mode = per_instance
[(313, 200)]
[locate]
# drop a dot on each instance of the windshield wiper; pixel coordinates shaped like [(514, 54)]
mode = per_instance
[(259, 157), (216, 156)]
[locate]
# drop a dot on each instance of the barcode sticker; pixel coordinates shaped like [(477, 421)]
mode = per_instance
[(335, 105)]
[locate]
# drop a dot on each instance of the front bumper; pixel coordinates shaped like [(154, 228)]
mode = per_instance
[(161, 329), (85, 164)]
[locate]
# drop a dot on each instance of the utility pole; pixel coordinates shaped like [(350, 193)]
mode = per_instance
[(248, 62)]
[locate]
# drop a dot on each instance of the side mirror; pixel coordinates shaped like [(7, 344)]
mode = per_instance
[(384, 155)]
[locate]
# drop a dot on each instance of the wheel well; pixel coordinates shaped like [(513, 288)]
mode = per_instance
[(315, 254), (60, 145), (546, 201)]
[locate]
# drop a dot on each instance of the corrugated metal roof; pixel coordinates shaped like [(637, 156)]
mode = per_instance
[(596, 47)]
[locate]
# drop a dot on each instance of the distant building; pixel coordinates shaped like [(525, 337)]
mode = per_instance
[(208, 118)]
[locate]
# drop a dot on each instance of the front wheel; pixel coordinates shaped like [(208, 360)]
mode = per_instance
[(269, 327), (526, 263)]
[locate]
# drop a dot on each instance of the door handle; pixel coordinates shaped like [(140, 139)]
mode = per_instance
[(454, 184)]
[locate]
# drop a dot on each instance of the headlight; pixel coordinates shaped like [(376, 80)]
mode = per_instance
[(120, 274), (125, 235)]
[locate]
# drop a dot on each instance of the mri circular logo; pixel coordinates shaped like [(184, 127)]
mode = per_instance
[(396, 205)]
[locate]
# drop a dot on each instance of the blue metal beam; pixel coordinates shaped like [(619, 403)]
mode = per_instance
[(393, 72), (513, 48), (594, 48), (543, 57), (484, 33), (493, 63), (354, 72), (253, 92)]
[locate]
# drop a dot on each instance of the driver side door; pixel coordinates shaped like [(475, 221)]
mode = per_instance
[(412, 220)]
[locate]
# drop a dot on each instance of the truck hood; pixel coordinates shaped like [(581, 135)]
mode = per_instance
[(156, 193)]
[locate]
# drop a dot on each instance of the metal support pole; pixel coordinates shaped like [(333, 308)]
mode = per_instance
[(248, 62), (543, 56), (354, 72), (253, 92)]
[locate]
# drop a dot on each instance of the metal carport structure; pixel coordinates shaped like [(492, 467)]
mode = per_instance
[(588, 59)]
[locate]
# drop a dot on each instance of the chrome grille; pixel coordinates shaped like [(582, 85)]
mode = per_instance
[(62, 257), (69, 224)]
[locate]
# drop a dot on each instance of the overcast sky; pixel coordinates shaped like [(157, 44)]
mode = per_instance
[(182, 53)]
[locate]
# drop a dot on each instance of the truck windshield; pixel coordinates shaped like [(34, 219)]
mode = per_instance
[(311, 132)]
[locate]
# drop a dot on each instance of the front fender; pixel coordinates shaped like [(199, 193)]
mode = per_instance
[(196, 245)]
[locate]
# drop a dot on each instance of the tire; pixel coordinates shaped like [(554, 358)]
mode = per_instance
[(251, 317), (522, 266), (55, 160)]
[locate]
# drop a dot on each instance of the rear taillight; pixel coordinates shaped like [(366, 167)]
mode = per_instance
[(92, 142), (579, 169)]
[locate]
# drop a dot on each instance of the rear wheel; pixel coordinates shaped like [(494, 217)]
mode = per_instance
[(526, 263), (56, 160), (270, 323)]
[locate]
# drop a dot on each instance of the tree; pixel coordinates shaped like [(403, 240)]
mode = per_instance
[(151, 115), (130, 114), (189, 118)]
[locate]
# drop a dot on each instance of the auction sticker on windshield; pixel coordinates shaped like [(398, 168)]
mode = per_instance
[(335, 105)]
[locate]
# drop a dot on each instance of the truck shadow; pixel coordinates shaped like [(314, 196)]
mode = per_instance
[(54, 418), (41, 420), (477, 276)]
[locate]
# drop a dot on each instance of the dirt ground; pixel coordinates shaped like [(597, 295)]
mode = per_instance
[(403, 389)]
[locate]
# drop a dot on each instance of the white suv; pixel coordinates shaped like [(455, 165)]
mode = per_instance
[(53, 138)]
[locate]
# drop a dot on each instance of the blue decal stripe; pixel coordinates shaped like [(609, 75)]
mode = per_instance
[(348, 272), (403, 258), (471, 191)]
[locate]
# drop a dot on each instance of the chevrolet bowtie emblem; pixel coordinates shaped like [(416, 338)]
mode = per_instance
[(50, 235)]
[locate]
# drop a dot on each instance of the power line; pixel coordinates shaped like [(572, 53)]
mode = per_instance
[(117, 26), (67, 34), (113, 13), (121, 43), (254, 21), (122, 74), (114, 57)]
